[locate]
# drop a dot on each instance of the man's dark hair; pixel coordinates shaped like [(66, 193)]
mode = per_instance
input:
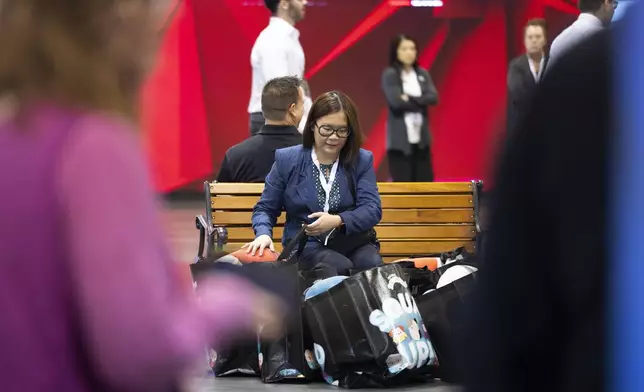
[(278, 95), (590, 5), (329, 103), (537, 22), (272, 5)]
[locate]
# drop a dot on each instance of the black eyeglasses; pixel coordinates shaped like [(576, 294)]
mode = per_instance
[(327, 130)]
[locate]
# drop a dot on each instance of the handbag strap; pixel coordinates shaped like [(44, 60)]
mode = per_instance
[(290, 249)]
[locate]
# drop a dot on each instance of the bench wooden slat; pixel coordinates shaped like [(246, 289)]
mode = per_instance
[(384, 232), (394, 248), (388, 201), (383, 187), (447, 215), (407, 188)]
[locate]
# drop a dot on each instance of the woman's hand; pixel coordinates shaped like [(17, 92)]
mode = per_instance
[(260, 243), (324, 223), (404, 97)]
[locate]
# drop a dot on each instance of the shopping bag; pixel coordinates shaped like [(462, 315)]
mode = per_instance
[(240, 360), (290, 357), (442, 312), (368, 331), (419, 280)]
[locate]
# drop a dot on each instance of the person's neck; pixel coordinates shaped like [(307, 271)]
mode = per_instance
[(407, 68), (599, 15), (325, 159), (536, 57), (283, 123), (286, 18)]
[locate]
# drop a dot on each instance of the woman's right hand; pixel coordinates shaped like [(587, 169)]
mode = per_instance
[(260, 243)]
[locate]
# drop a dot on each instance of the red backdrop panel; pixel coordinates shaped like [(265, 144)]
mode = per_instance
[(194, 105)]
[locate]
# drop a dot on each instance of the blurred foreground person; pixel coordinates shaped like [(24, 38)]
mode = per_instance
[(538, 321), (595, 16), (89, 297)]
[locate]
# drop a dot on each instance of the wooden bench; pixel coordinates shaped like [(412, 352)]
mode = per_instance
[(417, 218)]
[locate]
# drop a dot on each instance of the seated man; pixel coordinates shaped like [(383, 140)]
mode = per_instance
[(283, 108)]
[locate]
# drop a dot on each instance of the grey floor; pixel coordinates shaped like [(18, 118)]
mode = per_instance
[(178, 219), (208, 384)]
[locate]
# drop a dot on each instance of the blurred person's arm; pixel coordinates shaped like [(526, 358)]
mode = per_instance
[(140, 323), (392, 87), (430, 95)]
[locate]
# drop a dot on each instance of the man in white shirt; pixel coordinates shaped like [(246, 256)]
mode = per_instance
[(595, 16), (277, 52)]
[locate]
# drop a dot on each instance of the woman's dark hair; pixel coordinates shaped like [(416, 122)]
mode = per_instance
[(393, 50), (329, 103)]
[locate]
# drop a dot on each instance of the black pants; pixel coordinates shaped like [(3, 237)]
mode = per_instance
[(320, 257), (255, 122), (416, 167)]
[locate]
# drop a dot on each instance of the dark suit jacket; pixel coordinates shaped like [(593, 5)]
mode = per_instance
[(521, 86), (538, 316), (396, 127), (251, 160), (290, 186)]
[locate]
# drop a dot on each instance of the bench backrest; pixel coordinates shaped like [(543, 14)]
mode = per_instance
[(417, 219)]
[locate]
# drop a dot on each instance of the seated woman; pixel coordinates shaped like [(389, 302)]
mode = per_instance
[(329, 184)]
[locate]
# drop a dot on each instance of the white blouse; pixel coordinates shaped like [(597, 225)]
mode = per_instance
[(413, 121)]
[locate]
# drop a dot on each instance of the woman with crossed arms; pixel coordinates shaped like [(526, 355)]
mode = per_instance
[(329, 184)]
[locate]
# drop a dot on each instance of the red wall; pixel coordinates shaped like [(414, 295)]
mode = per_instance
[(194, 105)]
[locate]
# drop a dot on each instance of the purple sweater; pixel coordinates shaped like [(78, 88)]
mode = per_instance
[(89, 296)]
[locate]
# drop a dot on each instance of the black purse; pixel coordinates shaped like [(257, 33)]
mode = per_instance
[(344, 243)]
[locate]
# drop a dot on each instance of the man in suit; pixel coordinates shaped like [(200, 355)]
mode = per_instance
[(283, 108), (538, 316), (525, 71)]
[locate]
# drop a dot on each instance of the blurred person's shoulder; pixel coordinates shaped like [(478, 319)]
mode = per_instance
[(102, 135), (582, 61)]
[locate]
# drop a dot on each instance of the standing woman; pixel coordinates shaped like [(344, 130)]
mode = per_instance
[(409, 90)]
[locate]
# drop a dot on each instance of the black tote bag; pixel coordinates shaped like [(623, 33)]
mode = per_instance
[(290, 357), (241, 357), (240, 360), (442, 312), (368, 331)]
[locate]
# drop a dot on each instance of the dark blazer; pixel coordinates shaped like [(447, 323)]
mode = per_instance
[(251, 160), (290, 186), (396, 127), (539, 314), (521, 86)]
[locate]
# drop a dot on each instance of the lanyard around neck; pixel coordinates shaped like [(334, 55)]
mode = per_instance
[(326, 185)]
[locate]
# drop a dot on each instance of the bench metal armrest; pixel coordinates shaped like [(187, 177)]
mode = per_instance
[(477, 188), (211, 238), (202, 226)]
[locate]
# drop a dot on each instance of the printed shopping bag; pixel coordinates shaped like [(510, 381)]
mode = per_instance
[(368, 331)]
